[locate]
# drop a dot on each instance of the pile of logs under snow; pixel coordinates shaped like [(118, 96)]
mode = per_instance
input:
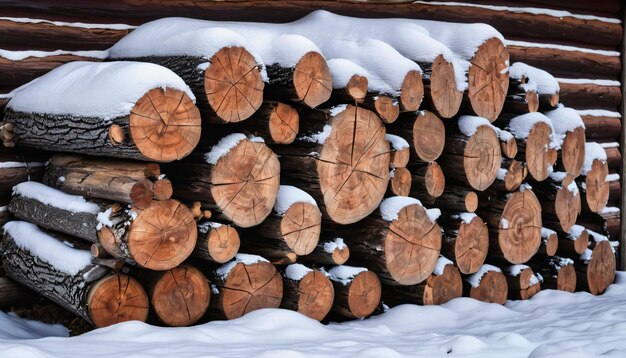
[(300, 171)]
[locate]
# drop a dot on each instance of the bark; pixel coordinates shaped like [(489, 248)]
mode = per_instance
[(587, 95), (558, 273), (523, 285)]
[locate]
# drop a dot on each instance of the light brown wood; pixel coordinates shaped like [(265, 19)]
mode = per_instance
[(521, 286), (233, 84), (436, 290), (165, 125), (399, 182), (357, 87), (162, 189), (516, 173), (471, 201), (600, 270), (428, 182), (312, 296), (567, 205), (116, 134), (558, 273), (275, 122), (284, 124), (493, 288), (399, 158), (411, 91), (596, 187), (537, 155), (117, 298), (488, 80), (519, 234), (332, 252), (311, 80), (216, 242), (246, 288), (179, 296), (549, 242), (466, 244), (386, 107), (359, 297), (482, 158), (566, 279), (443, 94), (572, 153), (509, 147), (424, 131)]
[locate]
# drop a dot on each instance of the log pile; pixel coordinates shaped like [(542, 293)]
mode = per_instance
[(297, 172)]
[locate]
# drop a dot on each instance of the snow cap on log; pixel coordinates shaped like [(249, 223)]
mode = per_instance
[(565, 120), (344, 274), (593, 151), (468, 125), (225, 144), (105, 90), (537, 80), (390, 207), (442, 262), (521, 126), (180, 37), (289, 195), (63, 257), (55, 198), (246, 259), (342, 70), (475, 279), (296, 272)]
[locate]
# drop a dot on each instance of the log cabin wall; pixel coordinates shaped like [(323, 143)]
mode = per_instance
[(582, 48)]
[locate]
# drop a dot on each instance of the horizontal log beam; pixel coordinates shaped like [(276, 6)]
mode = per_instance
[(588, 95)]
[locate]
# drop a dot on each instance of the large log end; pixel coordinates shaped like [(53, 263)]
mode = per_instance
[(117, 298), (519, 234), (316, 295), (446, 98), (601, 269), (489, 79), (482, 157), (472, 245), (443, 288), (312, 80), (567, 203)]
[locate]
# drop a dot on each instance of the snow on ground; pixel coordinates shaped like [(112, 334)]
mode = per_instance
[(551, 324)]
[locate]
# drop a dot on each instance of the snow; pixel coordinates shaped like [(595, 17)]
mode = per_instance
[(433, 214), (296, 272), (504, 223), (390, 207), (223, 146), (55, 198), (344, 274), (335, 110), (589, 81), (558, 176), (573, 188), (609, 210), (21, 164), (575, 231), (501, 173), (26, 20), (521, 126), (103, 90), (475, 278), (516, 270), (535, 279), (336, 244), (609, 145), (539, 80), (342, 70), (397, 142), (561, 48), (468, 125), (546, 233), (21, 55), (319, 137), (442, 262), (550, 324), (612, 177), (527, 10), (525, 186), (465, 217), (289, 195), (505, 136), (593, 151), (598, 113), (104, 219), (29, 237), (246, 259)]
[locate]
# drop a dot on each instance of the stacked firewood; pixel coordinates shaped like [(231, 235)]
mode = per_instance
[(237, 166)]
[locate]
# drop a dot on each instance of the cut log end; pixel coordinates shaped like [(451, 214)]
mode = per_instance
[(601, 269), (284, 124), (341, 255), (116, 134), (353, 165), (515, 175), (489, 79), (312, 80), (387, 108), (162, 189), (443, 288), (162, 236), (364, 294), (141, 194), (181, 296), (573, 151), (411, 91), (429, 136), (482, 157), (357, 87), (532, 98), (165, 125), (301, 227), (251, 287), (552, 244), (117, 298), (223, 243), (412, 235), (400, 182), (471, 201), (233, 84), (519, 234), (567, 204), (566, 278), (493, 288), (446, 98), (249, 177), (539, 157), (509, 148), (528, 286), (472, 246), (399, 158), (316, 295), (434, 180), (596, 186)]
